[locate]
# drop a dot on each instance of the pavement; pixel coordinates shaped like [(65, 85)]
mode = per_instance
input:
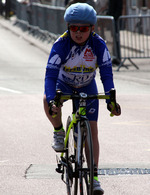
[(133, 172), (17, 29)]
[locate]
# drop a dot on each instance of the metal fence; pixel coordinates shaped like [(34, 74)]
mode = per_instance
[(134, 38), (105, 27), (129, 42), (51, 19)]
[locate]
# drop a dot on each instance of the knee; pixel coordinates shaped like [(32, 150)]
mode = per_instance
[(44, 100), (45, 104)]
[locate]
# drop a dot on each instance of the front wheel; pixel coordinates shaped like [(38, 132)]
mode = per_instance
[(71, 180), (85, 154)]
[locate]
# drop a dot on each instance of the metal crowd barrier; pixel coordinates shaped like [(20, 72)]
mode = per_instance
[(51, 19), (48, 18), (134, 38), (21, 11), (131, 41), (105, 27)]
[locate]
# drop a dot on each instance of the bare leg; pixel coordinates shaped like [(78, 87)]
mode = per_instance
[(94, 131), (59, 133), (57, 122)]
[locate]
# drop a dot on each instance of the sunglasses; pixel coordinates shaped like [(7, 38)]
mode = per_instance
[(80, 28)]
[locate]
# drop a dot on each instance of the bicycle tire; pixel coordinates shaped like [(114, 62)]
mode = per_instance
[(86, 177), (71, 181)]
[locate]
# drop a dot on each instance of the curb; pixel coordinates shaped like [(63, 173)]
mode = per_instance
[(37, 40)]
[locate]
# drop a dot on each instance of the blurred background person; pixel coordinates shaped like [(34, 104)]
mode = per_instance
[(115, 9), (90, 2)]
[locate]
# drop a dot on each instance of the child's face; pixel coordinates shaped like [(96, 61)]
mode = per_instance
[(80, 32)]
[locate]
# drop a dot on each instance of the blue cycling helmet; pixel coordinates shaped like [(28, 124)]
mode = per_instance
[(80, 13)]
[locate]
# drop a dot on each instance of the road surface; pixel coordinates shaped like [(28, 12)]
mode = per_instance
[(27, 161)]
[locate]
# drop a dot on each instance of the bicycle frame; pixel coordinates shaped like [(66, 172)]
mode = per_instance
[(81, 113), (74, 121), (78, 116), (75, 118)]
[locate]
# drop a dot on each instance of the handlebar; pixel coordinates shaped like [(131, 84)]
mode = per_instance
[(60, 96)]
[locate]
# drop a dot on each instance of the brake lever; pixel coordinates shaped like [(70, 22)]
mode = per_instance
[(113, 101), (57, 100)]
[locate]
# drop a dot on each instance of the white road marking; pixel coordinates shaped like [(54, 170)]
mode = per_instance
[(10, 90), (3, 161)]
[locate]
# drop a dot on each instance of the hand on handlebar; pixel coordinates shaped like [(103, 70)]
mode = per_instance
[(114, 109), (53, 109)]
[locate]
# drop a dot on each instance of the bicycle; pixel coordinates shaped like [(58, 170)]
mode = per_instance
[(78, 175)]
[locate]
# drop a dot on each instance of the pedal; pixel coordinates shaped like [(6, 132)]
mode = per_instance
[(62, 151), (72, 158), (59, 168)]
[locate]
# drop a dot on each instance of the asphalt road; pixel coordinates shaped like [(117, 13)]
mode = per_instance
[(27, 161)]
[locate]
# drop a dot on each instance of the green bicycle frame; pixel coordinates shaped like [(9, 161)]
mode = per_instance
[(82, 112), (73, 121)]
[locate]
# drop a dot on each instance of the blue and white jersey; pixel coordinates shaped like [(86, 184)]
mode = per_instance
[(76, 65)]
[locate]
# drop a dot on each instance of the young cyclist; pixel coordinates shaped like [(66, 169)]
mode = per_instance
[(71, 66)]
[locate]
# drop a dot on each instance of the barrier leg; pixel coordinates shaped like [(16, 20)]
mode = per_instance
[(121, 64), (133, 63)]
